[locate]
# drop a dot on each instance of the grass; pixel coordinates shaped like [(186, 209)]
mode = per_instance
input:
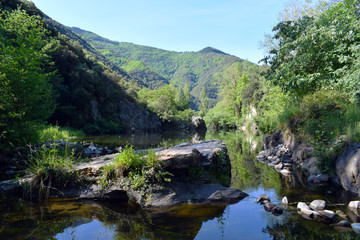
[(138, 169), (49, 132), (51, 170)]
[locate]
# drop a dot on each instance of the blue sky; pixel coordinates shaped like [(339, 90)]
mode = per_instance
[(233, 26)]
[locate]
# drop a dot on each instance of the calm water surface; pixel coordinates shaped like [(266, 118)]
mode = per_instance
[(59, 219)]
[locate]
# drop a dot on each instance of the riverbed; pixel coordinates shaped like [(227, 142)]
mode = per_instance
[(71, 219)]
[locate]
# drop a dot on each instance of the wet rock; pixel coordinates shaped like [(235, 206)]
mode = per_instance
[(327, 214), (228, 195), (263, 198), (356, 227), (302, 205), (318, 205), (341, 214), (344, 223), (318, 179), (354, 204), (309, 214), (273, 208), (285, 201)]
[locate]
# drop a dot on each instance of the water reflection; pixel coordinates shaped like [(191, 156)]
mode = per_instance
[(244, 220)]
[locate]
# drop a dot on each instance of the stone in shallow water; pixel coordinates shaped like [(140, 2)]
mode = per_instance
[(354, 204), (317, 205)]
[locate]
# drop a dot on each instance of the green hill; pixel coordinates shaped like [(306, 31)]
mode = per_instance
[(197, 69)]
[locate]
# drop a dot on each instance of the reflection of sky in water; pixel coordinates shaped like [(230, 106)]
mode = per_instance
[(88, 231)]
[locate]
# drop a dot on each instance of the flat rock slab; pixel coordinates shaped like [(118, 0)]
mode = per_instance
[(189, 193), (187, 155)]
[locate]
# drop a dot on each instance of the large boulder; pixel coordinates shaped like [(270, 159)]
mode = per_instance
[(347, 169), (198, 123)]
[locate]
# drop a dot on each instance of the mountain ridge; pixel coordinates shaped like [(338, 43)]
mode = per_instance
[(201, 69)]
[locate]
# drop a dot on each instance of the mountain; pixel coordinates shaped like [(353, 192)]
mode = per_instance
[(199, 70)]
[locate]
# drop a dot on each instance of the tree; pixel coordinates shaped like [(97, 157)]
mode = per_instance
[(186, 92), (26, 96), (204, 102), (317, 53)]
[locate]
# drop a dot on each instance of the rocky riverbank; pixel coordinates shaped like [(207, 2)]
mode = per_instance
[(201, 175), (287, 155)]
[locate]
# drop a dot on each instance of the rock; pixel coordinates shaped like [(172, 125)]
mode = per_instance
[(310, 166), (309, 214), (180, 157), (278, 153), (277, 161), (190, 193), (286, 158), (327, 214), (273, 140), (228, 195), (344, 223), (341, 214), (278, 167), (318, 179), (273, 208), (347, 169), (302, 205), (285, 172), (354, 204), (356, 227), (198, 123), (263, 198), (317, 205), (285, 201)]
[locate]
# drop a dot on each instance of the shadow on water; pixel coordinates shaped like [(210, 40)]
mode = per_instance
[(245, 220)]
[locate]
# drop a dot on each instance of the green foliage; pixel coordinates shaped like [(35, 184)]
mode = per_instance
[(49, 132), (138, 169), (26, 93), (204, 102), (317, 53), (168, 102), (51, 169)]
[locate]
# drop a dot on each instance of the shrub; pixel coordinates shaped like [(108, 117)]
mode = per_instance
[(47, 133)]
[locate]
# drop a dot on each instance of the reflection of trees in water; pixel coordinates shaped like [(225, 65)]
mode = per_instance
[(247, 171), (306, 230), (45, 221)]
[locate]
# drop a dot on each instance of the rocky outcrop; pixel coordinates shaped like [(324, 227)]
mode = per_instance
[(201, 175), (347, 169), (284, 153), (198, 123)]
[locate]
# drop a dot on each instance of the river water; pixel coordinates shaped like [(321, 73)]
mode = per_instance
[(60, 219)]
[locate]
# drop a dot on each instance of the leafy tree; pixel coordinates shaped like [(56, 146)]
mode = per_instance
[(204, 102), (317, 53), (26, 95), (186, 92)]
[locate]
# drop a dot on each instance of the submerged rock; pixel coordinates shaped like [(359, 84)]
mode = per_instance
[(262, 199)]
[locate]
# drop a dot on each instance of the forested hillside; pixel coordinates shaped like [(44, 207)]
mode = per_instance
[(46, 76), (198, 70)]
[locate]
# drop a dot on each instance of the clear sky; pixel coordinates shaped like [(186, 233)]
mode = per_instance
[(232, 26)]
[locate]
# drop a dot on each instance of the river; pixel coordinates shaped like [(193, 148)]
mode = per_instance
[(60, 219)]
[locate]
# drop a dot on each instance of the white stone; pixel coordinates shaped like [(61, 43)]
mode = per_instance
[(302, 205), (354, 204), (317, 205), (285, 201)]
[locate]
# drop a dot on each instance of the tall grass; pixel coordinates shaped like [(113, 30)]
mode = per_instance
[(51, 169)]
